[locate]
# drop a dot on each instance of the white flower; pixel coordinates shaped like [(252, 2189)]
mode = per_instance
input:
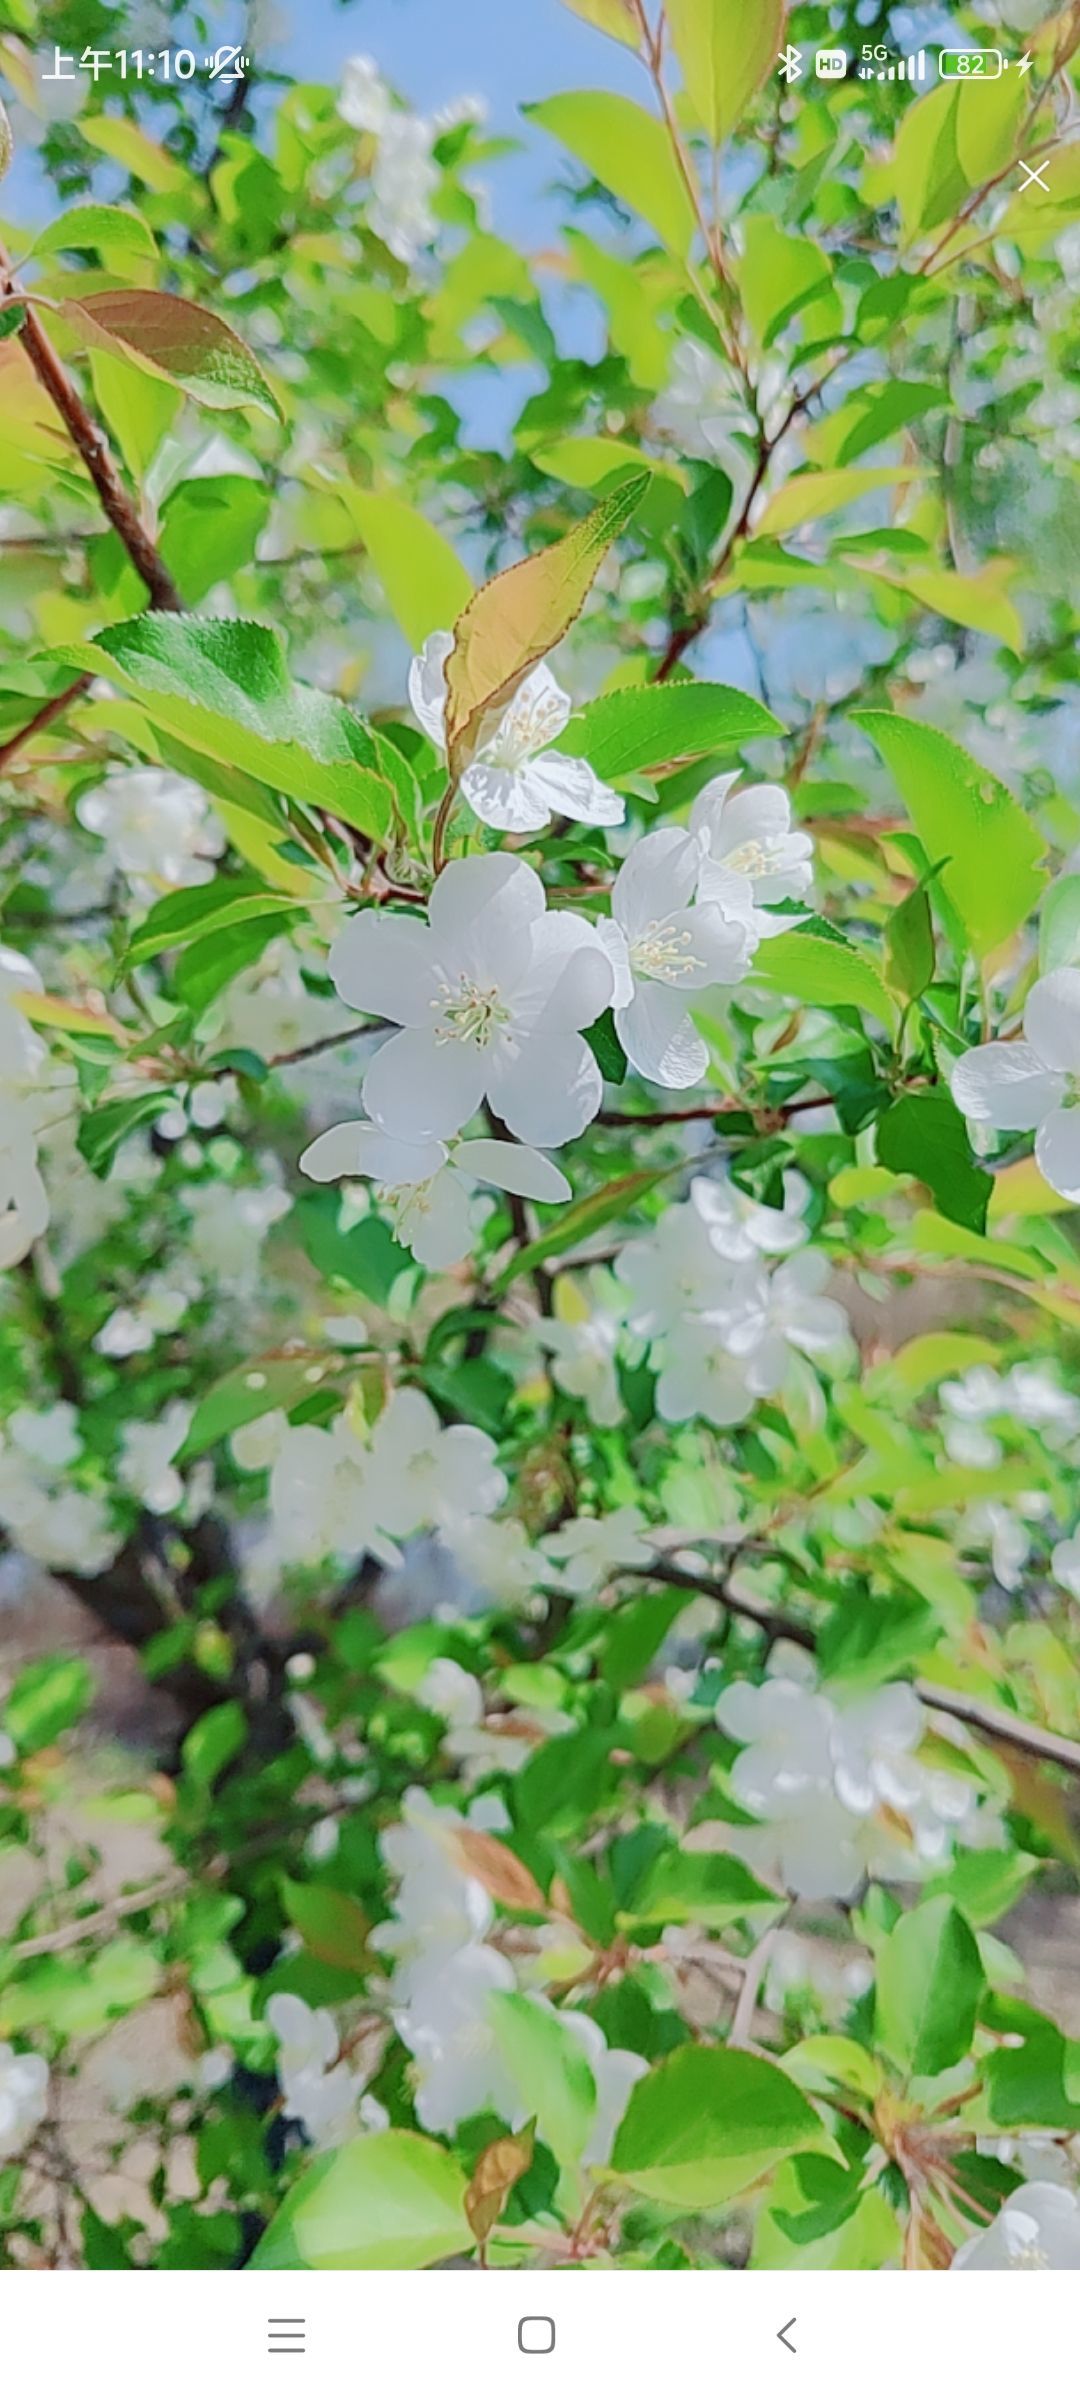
[(481, 1746), (158, 827), (614, 2073), (1014, 1087), (1065, 1565), (321, 1501), (227, 1230), (364, 100), (24, 1204), (588, 1549), (784, 1312), (698, 1377), (459, 2066), (510, 782), (1037, 2226), (422, 1473), (404, 181), (494, 1553), (743, 1229), (492, 994), (440, 1908), (427, 1188), (662, 947), (837, 1785), (56, 1525), (145, 1466), (582, 1339), (161, 1307), (753, 857), (674, 1272), (320, 2090), (24, 2097)]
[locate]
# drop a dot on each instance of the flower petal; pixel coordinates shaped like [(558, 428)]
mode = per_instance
[(506, 797), (1057, 1151), (481, 910), (1006, 1085), (567, 787), (420, 1090), (549, 1091), (658, 877), (659, 1039), (513, 1167), (1052, 1019), (427, 687), (387, 966), (439, 1232)]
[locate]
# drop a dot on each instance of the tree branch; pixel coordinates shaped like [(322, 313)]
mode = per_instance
[(97, 458), (997, 1724)]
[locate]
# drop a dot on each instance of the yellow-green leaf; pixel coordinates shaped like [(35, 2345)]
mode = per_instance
[(628, 150), (814, 495), (615, 17), (725, 49), (425, 583), (962, 814), (512, 622)]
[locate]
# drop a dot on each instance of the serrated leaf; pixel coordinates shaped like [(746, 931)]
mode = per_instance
[(512, 622), (224, 686), (178, 341), (664, 725), (204, 908), (630, 151), (824, 973), (96, 225), (963, 815)]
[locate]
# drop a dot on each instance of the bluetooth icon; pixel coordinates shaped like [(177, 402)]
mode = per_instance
[(791, 64)]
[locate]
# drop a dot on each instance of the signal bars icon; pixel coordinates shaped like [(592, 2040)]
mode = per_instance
[(902, 70)]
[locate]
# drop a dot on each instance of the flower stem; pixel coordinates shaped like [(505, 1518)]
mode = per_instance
[(438, 839)]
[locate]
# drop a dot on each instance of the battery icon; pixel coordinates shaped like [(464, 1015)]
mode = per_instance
[(970, 66)]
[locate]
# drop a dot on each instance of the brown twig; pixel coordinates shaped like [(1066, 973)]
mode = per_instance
[(997, 1724), (117, 503)]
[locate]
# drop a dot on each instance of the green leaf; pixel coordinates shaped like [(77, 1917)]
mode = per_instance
[(210, 526), (778, 273), (425, 584), (698, 1887), (704, 2124), (112, 232), (815, 494), (628, 150), (664, 725), (550, 2070), (614, 17), (725, 48), (245, 1394), (924, 1134), (824, 973), (978, 601), (213, 1743), (120, 139), (178, 341), (563, 1781), (882, 411), (910, 958), (366, 1257), (1059, 925), (597, 462), (331, 1925), (948, 145), (512, 622), (103, 1130), (606, 1047), (386, 2200), (225, 688), (45, 1699), (584, 1217), (929, 1983), (203, 908), (962, 814)]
